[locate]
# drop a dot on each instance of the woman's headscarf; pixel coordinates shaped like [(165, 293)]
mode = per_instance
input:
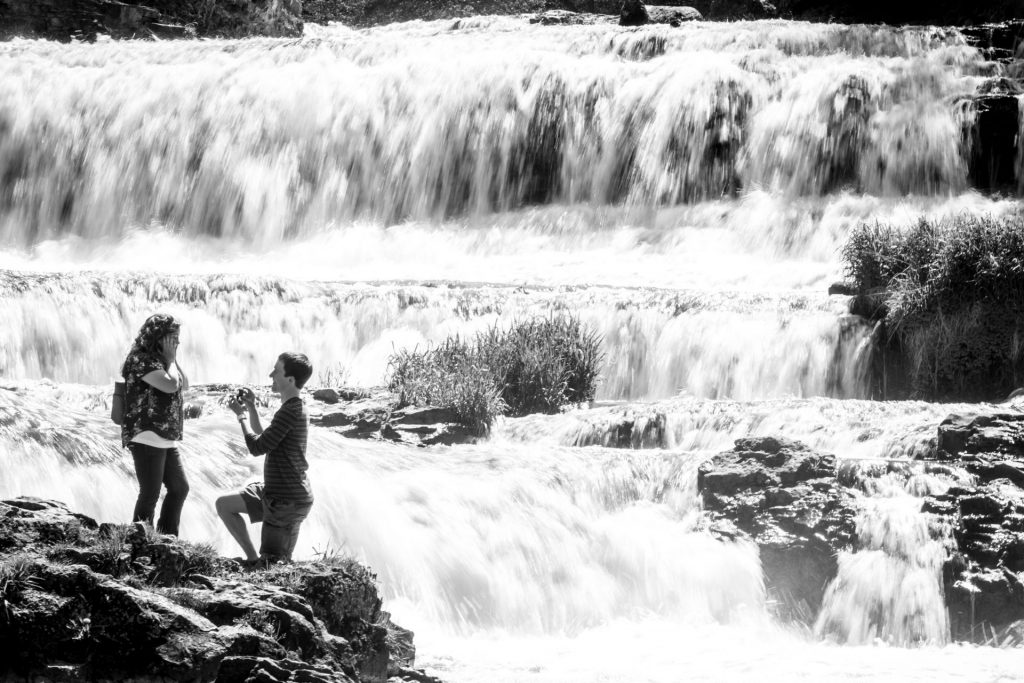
[(156, 327)]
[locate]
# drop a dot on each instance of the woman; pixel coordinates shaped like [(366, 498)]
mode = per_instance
[(153, 419)]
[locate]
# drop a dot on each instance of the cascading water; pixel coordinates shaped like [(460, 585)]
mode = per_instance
[(685, 191)]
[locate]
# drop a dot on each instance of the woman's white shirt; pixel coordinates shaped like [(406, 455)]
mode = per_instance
[(150, 438)]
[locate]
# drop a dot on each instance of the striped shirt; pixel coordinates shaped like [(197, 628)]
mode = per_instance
[(284, 442)]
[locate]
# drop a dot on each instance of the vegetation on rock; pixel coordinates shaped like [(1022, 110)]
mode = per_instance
[(951, 297), (82, 601), (534, 366)]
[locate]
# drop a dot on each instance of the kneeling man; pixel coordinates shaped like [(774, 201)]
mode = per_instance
[(284, 498)]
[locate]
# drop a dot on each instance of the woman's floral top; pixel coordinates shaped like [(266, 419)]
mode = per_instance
[(145, 407)]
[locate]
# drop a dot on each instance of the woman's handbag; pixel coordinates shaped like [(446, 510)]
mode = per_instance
[(117, 404)]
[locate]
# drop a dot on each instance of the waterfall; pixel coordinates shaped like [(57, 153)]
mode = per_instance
[(685, 191), (657, 343), (266, 141)]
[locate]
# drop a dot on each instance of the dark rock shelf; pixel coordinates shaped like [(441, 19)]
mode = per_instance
[(800, 509), (87, 601)]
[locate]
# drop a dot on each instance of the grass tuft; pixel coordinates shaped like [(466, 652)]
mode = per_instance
[(17, 574), (533, 366), (951, 294)]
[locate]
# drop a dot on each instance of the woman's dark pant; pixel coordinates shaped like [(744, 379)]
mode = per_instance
[(153, 467)]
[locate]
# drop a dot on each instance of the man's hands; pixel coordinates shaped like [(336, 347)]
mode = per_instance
[(243, 400)]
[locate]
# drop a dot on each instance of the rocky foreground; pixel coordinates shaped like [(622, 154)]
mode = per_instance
[(87, 601), (801, 508)]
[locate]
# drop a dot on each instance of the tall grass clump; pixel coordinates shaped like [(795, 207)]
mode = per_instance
[(532, 366), (951, 295)]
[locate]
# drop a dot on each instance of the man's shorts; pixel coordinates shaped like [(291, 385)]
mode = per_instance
[(281, 520)]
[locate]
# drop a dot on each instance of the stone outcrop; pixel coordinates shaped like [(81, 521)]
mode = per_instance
[(636, 13), (376, 415), (87, 19), (82, 601), (788, 500), (561, 17), (993, 135), (353, 413), (800, 510), (984, 577)]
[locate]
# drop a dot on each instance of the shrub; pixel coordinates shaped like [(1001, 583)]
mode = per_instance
[(448, 377), (542, 364), (951, 298), (537, 365)]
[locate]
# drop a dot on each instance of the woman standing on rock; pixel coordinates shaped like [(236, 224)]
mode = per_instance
[(153, 416)]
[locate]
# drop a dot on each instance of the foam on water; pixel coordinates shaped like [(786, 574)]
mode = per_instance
[(657, 342), (686, 191), (533, 562), (272, 140)]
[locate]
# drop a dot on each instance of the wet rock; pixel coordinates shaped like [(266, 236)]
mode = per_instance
[(786, 498), (983, 576), (376, 417), (991, 433), (999, 42), (636, 13), (993, 135)]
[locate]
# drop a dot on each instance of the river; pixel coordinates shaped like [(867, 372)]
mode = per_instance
[(685, 191)]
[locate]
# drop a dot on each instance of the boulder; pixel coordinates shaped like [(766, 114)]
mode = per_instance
[(636, 13), (343, 597), (329, 396), (786, 498), (984, 575), (989, 432), (673, 16)]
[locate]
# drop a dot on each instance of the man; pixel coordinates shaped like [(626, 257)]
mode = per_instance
[(284, 498)]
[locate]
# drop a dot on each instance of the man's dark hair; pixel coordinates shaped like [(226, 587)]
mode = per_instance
[(296, 366)]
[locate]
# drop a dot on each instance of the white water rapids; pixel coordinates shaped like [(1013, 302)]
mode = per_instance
[(685, 191)]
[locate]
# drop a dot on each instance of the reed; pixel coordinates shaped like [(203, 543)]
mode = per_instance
[(533, 366), (951, 294)]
